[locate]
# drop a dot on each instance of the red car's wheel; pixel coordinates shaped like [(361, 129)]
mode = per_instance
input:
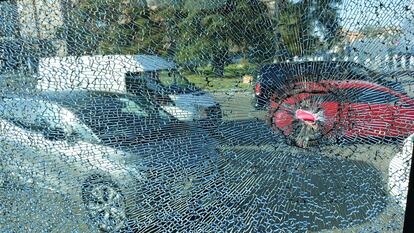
[(306, 118)]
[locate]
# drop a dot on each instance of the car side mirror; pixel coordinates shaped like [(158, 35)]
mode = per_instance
[(55, 134)]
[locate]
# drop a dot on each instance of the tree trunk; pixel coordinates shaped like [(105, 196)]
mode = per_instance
[(218, 64), (282, 53)]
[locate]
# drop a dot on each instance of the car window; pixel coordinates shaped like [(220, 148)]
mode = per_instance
[(366, 95), (158, 82), (43, 117), (166, 77), (30, 114), (169, 78), (115, 113), (139, 81), (132, 107)]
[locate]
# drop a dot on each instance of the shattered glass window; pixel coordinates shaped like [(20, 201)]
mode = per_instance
[(205, 115)]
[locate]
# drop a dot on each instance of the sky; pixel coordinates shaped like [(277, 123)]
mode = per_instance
[(356, 14)]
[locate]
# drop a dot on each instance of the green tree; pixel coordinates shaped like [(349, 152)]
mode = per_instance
[(203, 38), (201, 32), (207, 35), (251, 30), (85, 23), (309, 25), (113, 27)]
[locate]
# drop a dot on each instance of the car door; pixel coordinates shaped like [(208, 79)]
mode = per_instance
[(148, 123), (369, 112)]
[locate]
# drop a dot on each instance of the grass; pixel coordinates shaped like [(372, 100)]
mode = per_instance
[(204, 77)]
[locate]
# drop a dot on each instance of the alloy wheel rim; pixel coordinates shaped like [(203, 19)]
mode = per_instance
[(106, 206), (302, 133)]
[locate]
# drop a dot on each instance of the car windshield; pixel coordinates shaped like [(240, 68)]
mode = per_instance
[(371, 96), (175, 82), (117, 114)]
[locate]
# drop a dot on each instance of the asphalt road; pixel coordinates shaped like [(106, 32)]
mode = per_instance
[(301, 190), (267, 185), (354, 176)]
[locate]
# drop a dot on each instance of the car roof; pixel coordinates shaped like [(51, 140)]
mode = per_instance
[(140, 62), (365, 84), (340, 69), (316, 63), (328, 66), (401, 72), (153, 63), (82, 93)]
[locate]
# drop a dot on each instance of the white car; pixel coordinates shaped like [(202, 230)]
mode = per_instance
[(139, 74), (59, 153), (117, 155), (179, 97), (399, 172)]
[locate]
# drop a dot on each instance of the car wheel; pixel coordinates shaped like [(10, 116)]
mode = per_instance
[(304, 121), (104, 203), (305, 134)]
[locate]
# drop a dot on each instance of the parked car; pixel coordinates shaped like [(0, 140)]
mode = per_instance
[(314, 111), (404, 78), (278, 77), (178, 96), (120, 155), (138, 74), (399, 172)]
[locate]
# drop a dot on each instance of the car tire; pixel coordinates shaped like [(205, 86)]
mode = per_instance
[(303, 135), (105, 203)]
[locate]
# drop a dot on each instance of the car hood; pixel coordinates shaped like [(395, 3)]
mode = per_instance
[(187, 155), (177, 89), (145, 133), (198, 99)]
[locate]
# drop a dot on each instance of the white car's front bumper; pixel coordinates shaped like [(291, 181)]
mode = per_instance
[(399, 172)]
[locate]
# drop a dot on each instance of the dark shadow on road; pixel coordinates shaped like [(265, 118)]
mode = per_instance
[(246, 132), (283, 188), (279, 190)]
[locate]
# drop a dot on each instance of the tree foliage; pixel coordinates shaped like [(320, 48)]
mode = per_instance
[(113, 27), (193, 34), (204, 38), (309, 25), (209, 36)]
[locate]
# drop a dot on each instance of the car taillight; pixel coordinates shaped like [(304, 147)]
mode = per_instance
[(257, 89)]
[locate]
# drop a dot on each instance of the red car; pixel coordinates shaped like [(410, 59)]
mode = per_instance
[(329, 110)]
